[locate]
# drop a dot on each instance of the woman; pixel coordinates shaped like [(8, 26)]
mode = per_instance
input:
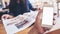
[(17, 7)]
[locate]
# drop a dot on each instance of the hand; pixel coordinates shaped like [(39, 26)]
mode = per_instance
[(6, 16), (39, 10), (38, 22)]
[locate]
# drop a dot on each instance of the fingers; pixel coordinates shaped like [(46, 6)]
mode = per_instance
[(38, 21), (40, 10), (6, 16)]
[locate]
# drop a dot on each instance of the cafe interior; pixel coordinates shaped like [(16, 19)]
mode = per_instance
[(51, 9)]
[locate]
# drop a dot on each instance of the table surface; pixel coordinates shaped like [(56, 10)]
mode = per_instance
[(2, 30)]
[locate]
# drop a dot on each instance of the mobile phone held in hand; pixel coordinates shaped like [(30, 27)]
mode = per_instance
[(47, 18)]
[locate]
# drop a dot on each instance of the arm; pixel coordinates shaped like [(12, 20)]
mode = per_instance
[(37, 28), (38, 22)]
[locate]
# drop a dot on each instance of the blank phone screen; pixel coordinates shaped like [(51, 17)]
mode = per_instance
[(47, 18)]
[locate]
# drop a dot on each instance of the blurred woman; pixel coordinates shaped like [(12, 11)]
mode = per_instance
[(17, 7)]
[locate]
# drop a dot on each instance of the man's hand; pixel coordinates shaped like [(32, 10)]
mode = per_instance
[(38, 22)]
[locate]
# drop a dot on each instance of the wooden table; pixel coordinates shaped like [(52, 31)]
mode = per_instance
[(2, 30)]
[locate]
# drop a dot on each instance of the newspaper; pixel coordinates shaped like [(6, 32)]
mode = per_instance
[(19, 23)]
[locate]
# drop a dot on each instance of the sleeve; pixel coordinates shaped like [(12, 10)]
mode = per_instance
[(30, 6)]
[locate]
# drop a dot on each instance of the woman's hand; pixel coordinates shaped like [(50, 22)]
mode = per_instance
[(6, 16)]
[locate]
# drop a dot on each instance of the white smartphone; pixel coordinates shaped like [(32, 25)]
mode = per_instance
[(47, 18)]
